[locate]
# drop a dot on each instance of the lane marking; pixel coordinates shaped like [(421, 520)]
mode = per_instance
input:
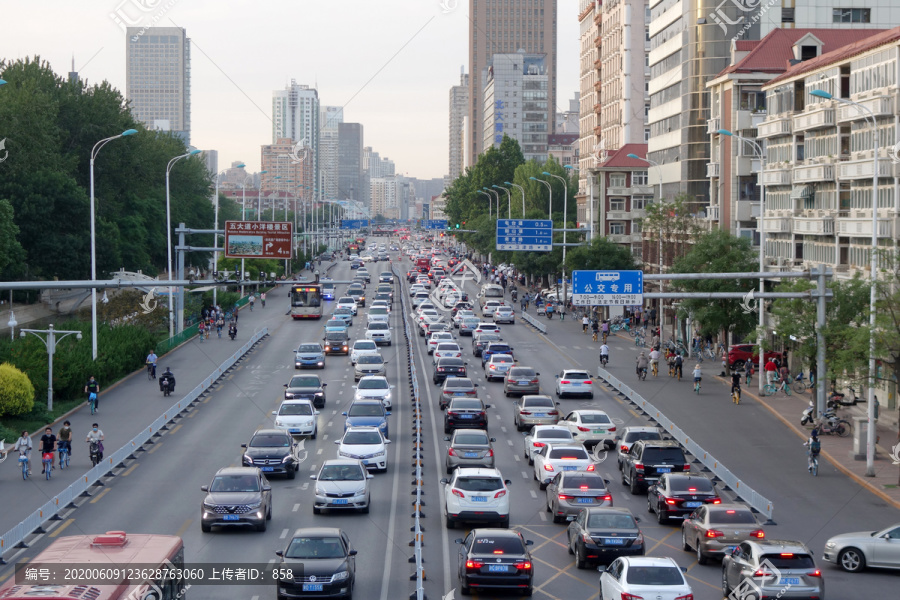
[(516, 456), (60, 529), (325, 437), (533, 494), (503, 428), (100, 495), (184, 527), (524, 474), (543, 516), (130, 469), (295, 508), (510, 442), (176, 428), (284, 534), (319, 451)]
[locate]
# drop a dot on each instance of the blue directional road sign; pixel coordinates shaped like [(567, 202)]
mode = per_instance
[(434, 224), (354, 223), (608, 288), (534, 235)]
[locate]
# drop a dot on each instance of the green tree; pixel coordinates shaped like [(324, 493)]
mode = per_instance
[(675, 223), (887, 317), (600, 255), (10, 248), (16, 391)]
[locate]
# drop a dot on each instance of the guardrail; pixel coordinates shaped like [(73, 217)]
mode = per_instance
[(15, 537), (533, 322), (754, 499)]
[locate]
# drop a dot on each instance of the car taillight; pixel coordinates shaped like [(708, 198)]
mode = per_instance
[(816, 573), (548, 467), (588, 382), (671, 501), (565, 381), (451, 452), (606, 498), (627, 596), (590, 468), (553, 412), (474, 564), (685, 597), (564, 497), (538, 444), (458, 355), (525, 413), (686, 468), (715, 500), (535, 381), (623, 449), (639, 467), (613, 428), (441, 369), (762, 573), (490, 453), (452, 413), (523, 565), (714, 533), (580, 428), (456, 492), (759, 533), (500, 494)]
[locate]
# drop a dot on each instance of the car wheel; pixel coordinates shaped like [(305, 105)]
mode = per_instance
[(317, 511), (635, 490), (528, 591), (314, 433), (591, 397), (450, 523), (464, 589), (269, 513), (624, 479), (661, 517), (446, 429), (684, 543), (542, 485), (262, 526), (292, 472), (531, 462), (852, 560), (569, 543), (580, 563), (701, 558), (205, 528), (449, 470), (649, 505), (726, 589), (504, 523), (365, 509)]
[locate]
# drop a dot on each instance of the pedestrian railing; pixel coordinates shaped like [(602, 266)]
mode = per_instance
[(16, 536), (754, 499), (533, 322), (171, 343)]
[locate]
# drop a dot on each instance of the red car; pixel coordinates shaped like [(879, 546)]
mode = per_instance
[(741, 353)]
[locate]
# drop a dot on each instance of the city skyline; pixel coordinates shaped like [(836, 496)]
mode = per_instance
[(398, 91)]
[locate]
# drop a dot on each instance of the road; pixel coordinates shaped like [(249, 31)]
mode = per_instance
[(159, 492)]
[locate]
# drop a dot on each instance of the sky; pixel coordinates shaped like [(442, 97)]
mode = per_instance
[(390, 63)]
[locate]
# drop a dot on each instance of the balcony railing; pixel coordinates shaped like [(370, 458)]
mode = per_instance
[(862, 168), (619, 191), (712, 169), (817, 116), (882, 106), (713, 125), (624, 238), (862, 227), (712, 212), (746, 166), (777, 175), (774, 126), (777, 224), (814, 225), (749, 120), (811, 173), (747, 210)]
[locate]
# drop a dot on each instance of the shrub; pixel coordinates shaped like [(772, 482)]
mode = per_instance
[(16, 391)]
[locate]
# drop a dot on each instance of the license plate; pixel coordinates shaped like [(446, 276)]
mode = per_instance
[(570, 468), (479, 498), (613, 542), (598, 431), (459, 393), (663, 470), (540, 415), (789, 581), (313, 587), (466, 416), (231, 517), (294, 430), (584, 501), (729, 549), (692, 504), (497, 568), (267, 469), (575, 383), (339, 501), (525, 382), (470, 455)]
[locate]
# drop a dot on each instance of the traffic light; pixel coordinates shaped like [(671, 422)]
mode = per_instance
[(457, 225)]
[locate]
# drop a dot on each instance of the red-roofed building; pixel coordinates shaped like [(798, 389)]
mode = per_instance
[(624, 190)]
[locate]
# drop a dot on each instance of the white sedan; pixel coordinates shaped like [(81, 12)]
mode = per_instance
[(366, 444), (589, 426), (436, 338), (361, 347), (446, 350), (855, 551), (541, 435), (556, 458), (476, 495), (374, 387), (348, 302), (460, 315), (297, 417), (644, 577)]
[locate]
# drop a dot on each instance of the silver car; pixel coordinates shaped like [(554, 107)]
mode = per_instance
[(571, 491), (504, 314), (534, 410), (497, 366), (467, 325), (772, 568), (369, 364), (342, 484), (469, 448), (855, 551)]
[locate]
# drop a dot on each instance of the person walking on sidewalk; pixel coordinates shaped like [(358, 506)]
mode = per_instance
[(252, 302), (220, 323), (92, 387), (201, 329), (771, 368), (262, 299)]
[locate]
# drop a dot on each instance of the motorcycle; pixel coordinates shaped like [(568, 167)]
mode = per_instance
[(808, 415), (604, 358), (166, 386), (840, 398), (232, 331), (96, 455)]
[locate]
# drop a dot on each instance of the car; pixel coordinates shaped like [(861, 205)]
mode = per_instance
[(489, 308), (328, 290), (273, 451), (494, 559), (521, 381), (504, 314), (384, 297), (345, 313), (360, 281), (386, 277), (348, 302), (629, 436), (426, 307), (361, 347), (426, 321), (462, 305), (448, 367), (355, 263), (369, 364), (572, 382), (416, 288), (238, 496), (419, 298), (644, 577), (435, 338), (297, 417), (713, 530), (456, 387), (364, 272), (738, 354), (358, 293), (589, 426), (555, 458), (677, 495), (773, 569), (380, 333), (378, 314), (367, 413), (468, 325), (337, 342), (310, 354), (435, 327), (446, 349), (384, 303), (306, 387), (603, 534), (649, 459), (541, 435), (533, 410), (487, 327), (385, 288), (336, 324), (496, 348), (856, 551), (366, 444), (497, 366), (342, 484), (569, 492), (465, 413), (476, 495), (469, 448), (460, 315), (325, 560), (374, 387)]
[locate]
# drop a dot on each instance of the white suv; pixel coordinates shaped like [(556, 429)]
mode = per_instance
[(380, 333), (476, 495)]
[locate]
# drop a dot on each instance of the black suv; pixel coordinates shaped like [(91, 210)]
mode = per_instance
[(337, 342), (483, 340), (272, 451), (357, 292), (466, 413), (236, 496), (648, 459), (494, 559), (306, 387), (324, 564)]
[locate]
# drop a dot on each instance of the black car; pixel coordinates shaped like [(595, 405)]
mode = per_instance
[(479, 343), (325, 564), (466, 413), (306, 387), (337, 342), (357, 292), (602, 534), (236, 496), (677, 495), (448, 367), (492, 559), (384, 296), (648, 459), (272, 451)]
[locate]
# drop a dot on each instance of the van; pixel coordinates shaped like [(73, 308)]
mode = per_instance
[(490, 291)]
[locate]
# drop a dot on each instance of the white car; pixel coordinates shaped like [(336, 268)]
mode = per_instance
[(415, 289), (447, 350), (460, 315), (574, 382), (425, 306), (504, 314), (374, 387), (380, 333), (381, 304), (428, 312), (378, 314), (348, 302), (438, 337), (485, 327), (556, 458), (424, 282), (369, 364), (541, 435), (342, 484), (297, 417), (476, 495), (427, 320), (419, 298), (489, 308), (854, 552), (589, 426), (644, 577), (366, 444), (361, 347)]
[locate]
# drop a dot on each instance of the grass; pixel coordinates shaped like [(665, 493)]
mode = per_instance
[(37, 419)]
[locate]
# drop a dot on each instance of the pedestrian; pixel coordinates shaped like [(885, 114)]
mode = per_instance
[(653, 317), (201, 330), (771, 368), (92, 387), (220, 323), (48, 446)]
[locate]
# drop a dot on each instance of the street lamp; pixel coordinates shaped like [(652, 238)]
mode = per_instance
[(508, 201), (565, 226), (2, 81), (50, 343), (550, 188), (94, 151), (259, 198), (216, 235), (276, 178), (496, 195), (873, 265), (519, 187), (490, 199), (169, 235), (659, 249)]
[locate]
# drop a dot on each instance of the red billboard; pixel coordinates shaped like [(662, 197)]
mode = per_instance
[(258, 239)]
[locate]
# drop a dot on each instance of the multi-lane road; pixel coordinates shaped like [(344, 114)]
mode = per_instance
[(160, 492)]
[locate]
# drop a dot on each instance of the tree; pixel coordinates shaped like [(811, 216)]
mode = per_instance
[(717, 252), (675, 223), (10, 248), (887, 316), (600, 255), (16, 391)]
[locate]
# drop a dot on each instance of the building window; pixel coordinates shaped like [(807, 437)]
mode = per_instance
[(617, 228), (617, 204), (617, 180), (641, 202), (646, 135), (639, 178), (851, 15)]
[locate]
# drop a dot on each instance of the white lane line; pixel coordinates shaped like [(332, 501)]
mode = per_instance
[(524, 474), (533, 494), (313, 468), (542, 515), (319, 451), (516, 456), (576, 347), (334, 412), (295, 508), (324, 437), (498, 416), (510, 442), (284, 534), (330, 423)]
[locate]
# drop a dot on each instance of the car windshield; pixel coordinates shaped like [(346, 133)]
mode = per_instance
[(501, 358), (534, 402), (270, 440), (373, 384), (365, 410), (365, 345), (554, 434), (336, 336), (234, 483), (521, 372), (611, 522), (465, 384), (346, 300), (786, 561), (690, 484), (452, 347), (304, 382), (653, 575), (467, 404), (475, 439), (309, 348), (479, 484), (441, 335), (499, 545), (732, 517), (370, 359), (378, 311), (340, 473), (358, 438), (633, 436), (315, 547), (378, 326), (470, 321), (667, 455), (568, 453), (295, 409), (343, 310), (576, 375), (583, 482), (450, 362), (595, 418)]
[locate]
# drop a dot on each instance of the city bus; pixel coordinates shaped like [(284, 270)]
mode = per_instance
[(108, 555), (352, 250), (306, 301)]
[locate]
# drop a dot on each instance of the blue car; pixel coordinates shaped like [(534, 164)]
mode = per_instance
[(345, 314), (495, 348), (367, 413), (335, 324), (309, 355)]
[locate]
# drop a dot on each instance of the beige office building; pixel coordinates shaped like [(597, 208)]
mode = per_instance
[(459, 104)]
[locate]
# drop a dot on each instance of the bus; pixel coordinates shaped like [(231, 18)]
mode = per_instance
[(108, 556), (352, 251), (306, 301)]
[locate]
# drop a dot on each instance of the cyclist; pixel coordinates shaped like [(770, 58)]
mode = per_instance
[(64, 438), (92, 387), (748, 371), (151, 363), (595, 328), (736, 384), (814, 446), (23, 445), (585, 321), (604, 354), (96, 435), (262, 298), (642, 362), (604, 327), (201, 329), (48, 446), (167, 378), (654, 361), (698, 376), (679, 361)]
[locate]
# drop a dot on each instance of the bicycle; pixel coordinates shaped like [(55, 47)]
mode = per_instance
[(800, 386), (671, 369), (47, 461), (595, 336), (655, 366), (639, 341), (697, 387), (770, 389), (92, 398), (23, 460), (63, 456), (736, 395), (642, 374), (813, 461), (151, 371)]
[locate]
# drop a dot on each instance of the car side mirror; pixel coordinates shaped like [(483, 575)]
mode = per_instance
[(243, 445), (558, 404), (275, 412), (344, 414), (324, 385), (458, 541), (387, 413), (313, 477), (606, 481), (476, 385), (267, 488), (369, 476), (537, 374), (447, 438), (316, 413), (204, 488), (492, 439), (337, 441), (529, 542), (507, 481), (387, 441), (279, 553), (393, 386), (445, 481), (352, 553), (285, 385)]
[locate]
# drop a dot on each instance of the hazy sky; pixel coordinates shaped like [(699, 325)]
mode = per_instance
[(390, 63)]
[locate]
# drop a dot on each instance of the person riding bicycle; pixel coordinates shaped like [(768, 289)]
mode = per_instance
[(698, 374), (167, 378), (642, 363), (604, 327), (96, 435), (252, 301), (654, 358), (48, 446), (64, 438), (748, 371), (151, 363), (736, 383), (678, 361), (23, 446), (814, 446), (92, 387), (595, 328), (604, 354), (585, 321)]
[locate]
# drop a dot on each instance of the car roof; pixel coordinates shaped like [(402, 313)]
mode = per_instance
[(590, 411), (566, 445), (317, 532), (367, 401), (537, 428), (599, 510), (659, 443), (362, 428), (651, 561), (237, 471), (496, 532), (296, 401), (641, 429), (767, 546), (343, 461), (370, 377), (451, 380), (270, 431), (479, 471)]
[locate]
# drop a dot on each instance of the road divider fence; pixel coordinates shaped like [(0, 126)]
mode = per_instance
[(533, 322)]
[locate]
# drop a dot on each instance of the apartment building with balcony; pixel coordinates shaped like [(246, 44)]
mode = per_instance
[(625, 192), (819, 156), (589, 103)]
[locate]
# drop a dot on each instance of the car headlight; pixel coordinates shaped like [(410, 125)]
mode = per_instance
[(830, 546), (209, 504), (340, 576), (247, 460), (320, 492), (254, 505), (287, 458), (278, 423), (343, 453)]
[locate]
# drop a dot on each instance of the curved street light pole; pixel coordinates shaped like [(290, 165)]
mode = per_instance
[(169, 236), (519, 187), (490, 199), (508, 201), (216, 235)]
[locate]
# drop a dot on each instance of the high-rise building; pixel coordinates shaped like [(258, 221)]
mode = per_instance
[(385, 201), (330, 118), (211, 158), (289, 173), (567, 121), (351, 182), (158, 78), (589, 106), (525, 26), (563, 148), (295, 116), (516, 103), (459, 105)]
